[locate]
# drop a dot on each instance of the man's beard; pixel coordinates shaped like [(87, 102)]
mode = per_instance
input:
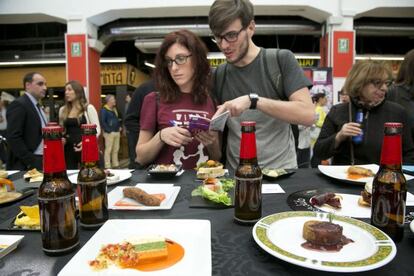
[(243, 52)]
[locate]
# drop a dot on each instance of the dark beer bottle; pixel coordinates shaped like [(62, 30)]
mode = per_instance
[(91, 188), (389, 190), (56, 198), (248, 176), (359, 118)]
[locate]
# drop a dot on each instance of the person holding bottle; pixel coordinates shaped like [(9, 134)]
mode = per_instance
[(182, 78), (367, 84), (75, 112)]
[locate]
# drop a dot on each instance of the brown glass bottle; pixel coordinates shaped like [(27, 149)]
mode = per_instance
[(91, 188), (56, 198), (248, 176), (389, 190)]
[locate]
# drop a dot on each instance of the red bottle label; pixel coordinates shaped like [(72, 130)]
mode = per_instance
[(53, 157), (391, 150), (248, 145), (89, 148)]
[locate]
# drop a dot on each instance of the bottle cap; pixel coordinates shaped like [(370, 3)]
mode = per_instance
[(52, 129), (248, 123), (393, 124), (88, 126)]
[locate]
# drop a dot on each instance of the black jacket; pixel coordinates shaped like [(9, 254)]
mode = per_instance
[(369, 151), (404, 95), (24, 133)]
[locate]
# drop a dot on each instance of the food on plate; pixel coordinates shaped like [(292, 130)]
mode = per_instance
[(274, 172), (366, 195), (210, 168), (164, 168), (9, 196), (6, 185), (358, 172), (323, 236), (146, 253), (143, 197), (330, 199), (111, 176), (33, 175), (3, 174), (28, 218), (215, 190)]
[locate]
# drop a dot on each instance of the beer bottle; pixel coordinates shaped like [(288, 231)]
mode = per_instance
[(56, 198), (248, 176), (359, 118), (389, 190), (91, 188)]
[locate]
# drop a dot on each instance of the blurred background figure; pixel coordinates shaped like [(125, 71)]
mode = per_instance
[(343, 96), (5, 99), (303, 152), (319, 100), (132, 118), (111, 125), (402, 91), (72, 114), (367, 84)]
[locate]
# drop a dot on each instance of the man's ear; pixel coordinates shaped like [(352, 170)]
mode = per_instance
[(251, 28)]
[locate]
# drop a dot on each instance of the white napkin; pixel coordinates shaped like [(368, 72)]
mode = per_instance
[(410, 199), (272, 189)]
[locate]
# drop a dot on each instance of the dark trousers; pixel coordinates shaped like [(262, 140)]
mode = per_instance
[(303, 158), (132, 143)]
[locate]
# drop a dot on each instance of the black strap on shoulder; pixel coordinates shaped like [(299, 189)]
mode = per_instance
[(220, 77)]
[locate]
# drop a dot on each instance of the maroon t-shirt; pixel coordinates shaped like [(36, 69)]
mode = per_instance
[(180, 112)]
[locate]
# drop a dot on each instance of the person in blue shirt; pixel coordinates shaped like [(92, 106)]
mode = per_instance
[(111, 125)]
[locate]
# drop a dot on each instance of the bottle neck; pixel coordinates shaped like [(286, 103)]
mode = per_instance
[(248, 147), (90, 154), (53, 156), (391, 152)]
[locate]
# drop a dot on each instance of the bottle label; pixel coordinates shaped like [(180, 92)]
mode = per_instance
[(89, 148), (248, 146), (391, 150), (247, 179), (53, 157), (62, 198)]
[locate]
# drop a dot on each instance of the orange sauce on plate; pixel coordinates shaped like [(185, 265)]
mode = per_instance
[(175, 254), (355, 176)]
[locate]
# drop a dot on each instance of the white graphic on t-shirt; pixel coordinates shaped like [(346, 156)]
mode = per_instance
[(179, 155)]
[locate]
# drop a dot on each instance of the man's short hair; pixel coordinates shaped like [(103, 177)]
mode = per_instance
[(29, 78), (224, 12), (108, 97)]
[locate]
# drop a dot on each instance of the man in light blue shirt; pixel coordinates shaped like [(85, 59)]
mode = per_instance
[(25, 121)]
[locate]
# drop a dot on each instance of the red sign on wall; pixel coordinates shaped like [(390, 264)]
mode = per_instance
[(343, 52)]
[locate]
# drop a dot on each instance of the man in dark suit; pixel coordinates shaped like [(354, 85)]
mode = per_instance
[(25, 121)]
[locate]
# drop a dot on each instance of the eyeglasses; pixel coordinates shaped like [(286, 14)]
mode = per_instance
[(378, 83), (179, 60), (229, 37)]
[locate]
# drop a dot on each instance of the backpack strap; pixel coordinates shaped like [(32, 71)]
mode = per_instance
[(274, 71), (219, 78)]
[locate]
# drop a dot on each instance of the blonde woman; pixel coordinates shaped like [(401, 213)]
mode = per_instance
[(72, 114)]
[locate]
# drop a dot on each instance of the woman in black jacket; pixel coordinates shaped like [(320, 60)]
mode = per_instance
[(367, 84)]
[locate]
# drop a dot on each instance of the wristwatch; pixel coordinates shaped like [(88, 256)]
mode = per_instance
[(253, 100)]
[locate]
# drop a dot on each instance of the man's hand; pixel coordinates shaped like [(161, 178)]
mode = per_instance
[(236, 106)]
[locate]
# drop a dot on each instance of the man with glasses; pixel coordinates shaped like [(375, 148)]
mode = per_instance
[(25, 121), (244, 87)]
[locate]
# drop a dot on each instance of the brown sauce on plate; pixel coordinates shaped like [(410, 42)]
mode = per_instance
[(327, 248)]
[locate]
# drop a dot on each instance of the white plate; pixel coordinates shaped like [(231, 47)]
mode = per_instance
[(412, 226), (350, 207), (123, 175), (193, 235), (281, 236), (8, 243), (340, 172), (169, 190)]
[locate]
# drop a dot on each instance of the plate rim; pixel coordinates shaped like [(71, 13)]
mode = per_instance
[(288, 173), (385, 245), (127, 176)]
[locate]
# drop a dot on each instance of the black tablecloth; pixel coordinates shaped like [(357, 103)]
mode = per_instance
[(234, 252)]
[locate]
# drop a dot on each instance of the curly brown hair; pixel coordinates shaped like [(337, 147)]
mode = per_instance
[(164, 83)]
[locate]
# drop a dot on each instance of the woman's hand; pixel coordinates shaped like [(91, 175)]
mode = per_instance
[(207, 137), (175, 136), (348, 130), (77, 147)]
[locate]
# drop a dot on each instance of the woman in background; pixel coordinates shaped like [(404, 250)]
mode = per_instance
[(182, 78), (72, 114), (367, 84)]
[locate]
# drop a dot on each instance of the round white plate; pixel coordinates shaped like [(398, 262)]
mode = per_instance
[(412, 226), (123, 175), (281, 236)]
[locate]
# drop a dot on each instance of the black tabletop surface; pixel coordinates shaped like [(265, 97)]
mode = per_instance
[(234, 251)]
